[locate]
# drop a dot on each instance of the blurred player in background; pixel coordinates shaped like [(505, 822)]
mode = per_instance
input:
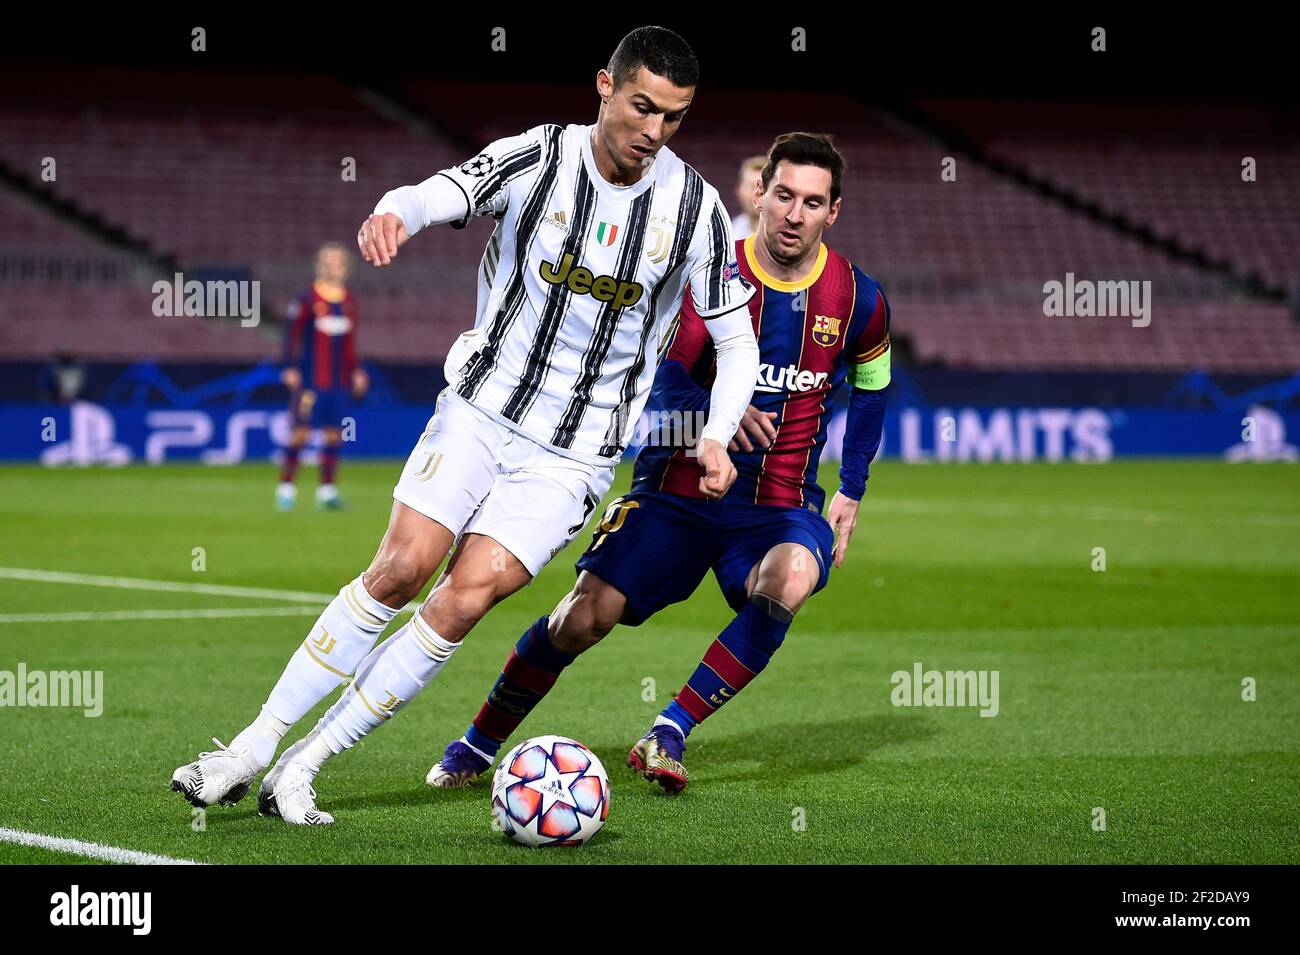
[(820, 322), (746, 221), (320, 369)]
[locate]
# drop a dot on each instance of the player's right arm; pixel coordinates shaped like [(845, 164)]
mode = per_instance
[(675, 387), (477, 187), (720, 296)]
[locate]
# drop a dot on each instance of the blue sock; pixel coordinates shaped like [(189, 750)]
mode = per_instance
[(529, 673), (738, 655)]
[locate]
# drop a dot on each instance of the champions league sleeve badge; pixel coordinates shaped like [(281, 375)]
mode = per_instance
[(481, 165)]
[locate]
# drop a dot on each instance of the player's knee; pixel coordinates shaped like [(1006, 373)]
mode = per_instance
[(457, 607), (394, 579), (573, 626), (583, 618), (777, 606), (789, 584)]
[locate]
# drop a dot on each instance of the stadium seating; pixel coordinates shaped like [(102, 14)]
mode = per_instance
[(247, 173)]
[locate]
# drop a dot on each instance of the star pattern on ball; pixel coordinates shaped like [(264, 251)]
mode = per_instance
[(554, 786)]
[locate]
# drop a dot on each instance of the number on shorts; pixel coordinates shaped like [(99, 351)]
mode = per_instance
[(614, 517)]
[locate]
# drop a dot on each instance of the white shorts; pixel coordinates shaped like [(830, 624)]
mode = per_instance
[(473, 475)]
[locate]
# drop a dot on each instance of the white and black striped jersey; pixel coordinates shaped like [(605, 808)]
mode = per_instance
[(579, 284)]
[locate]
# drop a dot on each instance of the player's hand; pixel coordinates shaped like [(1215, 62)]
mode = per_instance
[(380, 237), (719, 472), (843, 517), (360, 382), (291, 378), (756, 428)]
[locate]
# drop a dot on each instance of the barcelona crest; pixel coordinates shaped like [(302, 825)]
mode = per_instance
[(826, 330)]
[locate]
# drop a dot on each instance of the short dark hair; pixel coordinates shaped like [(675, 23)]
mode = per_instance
[(806, 149), (659, 50)]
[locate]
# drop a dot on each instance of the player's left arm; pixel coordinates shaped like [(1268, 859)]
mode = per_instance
[(294, 329), (360, 381), (719, 294), (869, 378), (674, 389)]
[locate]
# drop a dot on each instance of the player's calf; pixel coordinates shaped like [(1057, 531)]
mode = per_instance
[(739, 654), (530, 671), (480, 575), (586, 614)]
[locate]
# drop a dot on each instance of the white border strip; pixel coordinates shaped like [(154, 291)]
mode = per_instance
[(91, 850)]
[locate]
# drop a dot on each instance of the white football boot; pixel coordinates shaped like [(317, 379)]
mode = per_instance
[(286, 496), (223, 776), (287, 792)]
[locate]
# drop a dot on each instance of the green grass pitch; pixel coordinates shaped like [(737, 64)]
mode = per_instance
[(1119, 689)]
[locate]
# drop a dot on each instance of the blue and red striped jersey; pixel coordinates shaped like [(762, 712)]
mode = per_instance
[(810, 333), (321, 339)]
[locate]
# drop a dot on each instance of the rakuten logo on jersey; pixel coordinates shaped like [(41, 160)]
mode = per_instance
[(789, 378)]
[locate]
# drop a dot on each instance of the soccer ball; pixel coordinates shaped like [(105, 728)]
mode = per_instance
[(550, 791)]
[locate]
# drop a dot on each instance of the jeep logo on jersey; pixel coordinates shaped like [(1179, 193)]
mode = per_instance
[(789, 378), (826, 330), (581, 281)]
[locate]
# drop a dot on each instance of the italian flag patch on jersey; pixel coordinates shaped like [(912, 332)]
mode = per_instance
[(605, 233)]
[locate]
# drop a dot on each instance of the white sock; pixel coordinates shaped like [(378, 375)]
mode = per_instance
[(315, 750), (262, 736), (337, 642), (477, 750), (387, 679)]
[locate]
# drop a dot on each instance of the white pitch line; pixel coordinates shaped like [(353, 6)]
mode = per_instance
[(170, 586), (100, 616), (90, 850)]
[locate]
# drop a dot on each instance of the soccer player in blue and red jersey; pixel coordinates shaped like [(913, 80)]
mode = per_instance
[(821, 323), (320, 368)]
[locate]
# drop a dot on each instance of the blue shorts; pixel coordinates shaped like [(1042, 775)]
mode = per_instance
[(318, 409), (656, 547)]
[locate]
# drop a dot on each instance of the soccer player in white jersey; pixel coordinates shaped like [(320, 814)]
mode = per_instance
[(599, 230)]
